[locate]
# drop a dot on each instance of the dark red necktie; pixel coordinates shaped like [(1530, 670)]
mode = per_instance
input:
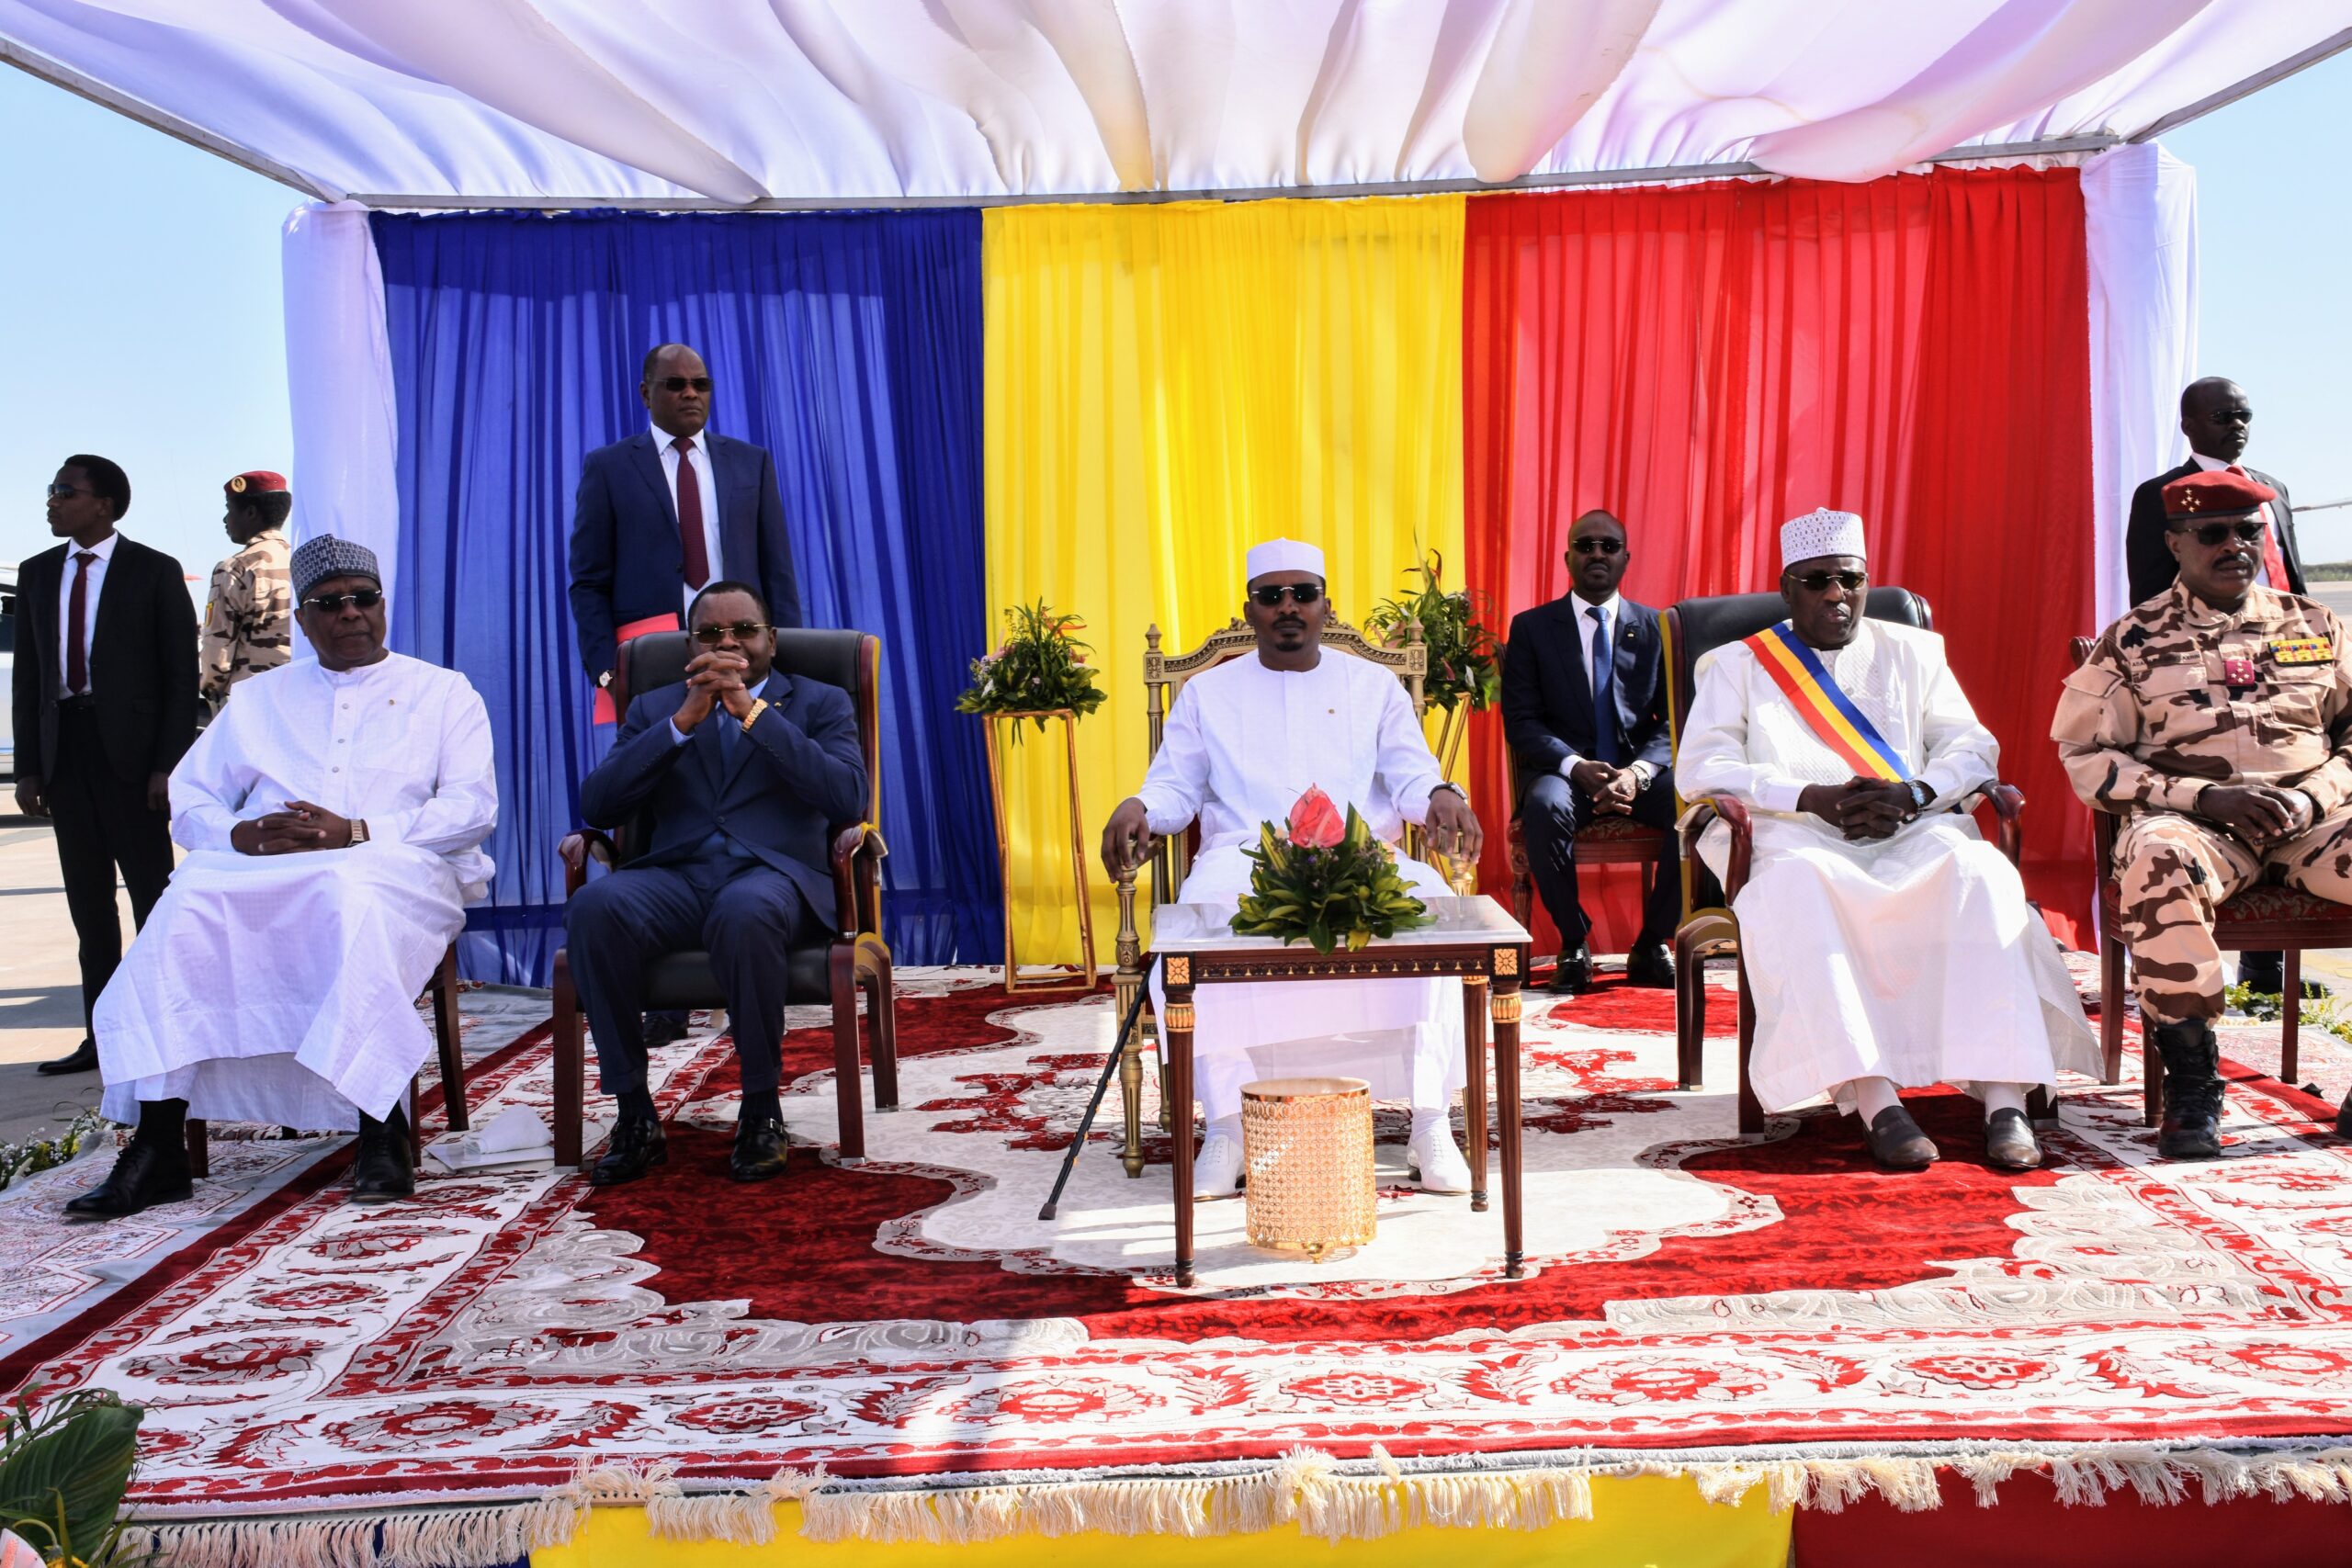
[(2274, 560), (77, 621), (690, 514)]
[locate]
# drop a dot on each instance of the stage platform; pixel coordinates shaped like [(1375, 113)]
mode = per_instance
[(1724, 1350)]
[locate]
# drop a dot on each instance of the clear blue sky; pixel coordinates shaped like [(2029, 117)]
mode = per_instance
[(141, 290)]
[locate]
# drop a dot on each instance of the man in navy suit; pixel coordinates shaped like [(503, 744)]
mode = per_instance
[(1579, 758), (632, 562), (743, 770)]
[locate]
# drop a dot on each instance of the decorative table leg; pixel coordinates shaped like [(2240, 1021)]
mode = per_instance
[(1473, 1080), (1176, 1027), (1131, 1102), (1505, 1007)]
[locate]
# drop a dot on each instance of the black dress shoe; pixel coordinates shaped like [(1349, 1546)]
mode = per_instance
[(144, 1174), (380, 1172), (2344, 1116), (1572, 977), (2009, 1144), (84, 1060), (637, 1146), (2266, 974), (1896, 1142), (761, 1150), (663, 1029), (1650, 966)]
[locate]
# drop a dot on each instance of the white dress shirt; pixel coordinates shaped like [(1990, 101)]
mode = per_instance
[(2261, 572), (665, 444), (1611, 609), (104, 550)]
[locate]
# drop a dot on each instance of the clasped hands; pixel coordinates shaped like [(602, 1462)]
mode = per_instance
[(1612, 788), (300, 827), (714, 680), (2261, 815), (1860, 809), (1451, 826)]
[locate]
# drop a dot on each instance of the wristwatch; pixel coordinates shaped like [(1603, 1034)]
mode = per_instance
[(605, 680), (759, 706), (1449, 784), (1920, 795), (360, 832)]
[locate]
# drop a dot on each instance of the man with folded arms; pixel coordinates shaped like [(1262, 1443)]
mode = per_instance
[(333, 816), (2216, 720), (1243, 743), (1887, 945)]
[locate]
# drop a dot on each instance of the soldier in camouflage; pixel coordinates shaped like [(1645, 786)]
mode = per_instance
[(248, 623), (2216, 720)]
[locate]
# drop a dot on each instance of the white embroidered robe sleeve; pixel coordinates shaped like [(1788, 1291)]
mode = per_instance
[(1242, 743), (282, 988), (1914, 957)]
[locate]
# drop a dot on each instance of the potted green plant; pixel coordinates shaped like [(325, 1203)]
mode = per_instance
[(1465, 657), (64, 1466)]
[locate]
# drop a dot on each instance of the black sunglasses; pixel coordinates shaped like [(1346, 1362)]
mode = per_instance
[(2211, 534), (1598, 545), (333, 603), (1272, 593), (680, 383), (60, 491), (713, 635), (1819, 581)]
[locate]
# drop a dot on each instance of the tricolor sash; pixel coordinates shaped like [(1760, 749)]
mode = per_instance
[(1828, 710)]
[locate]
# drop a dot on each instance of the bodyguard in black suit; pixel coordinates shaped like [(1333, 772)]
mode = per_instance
[(2218, 419), (105, 703), (630, 559), (743, 770), (1578, 759)]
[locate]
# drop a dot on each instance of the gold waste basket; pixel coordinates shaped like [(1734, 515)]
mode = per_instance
[(1306, 1145)]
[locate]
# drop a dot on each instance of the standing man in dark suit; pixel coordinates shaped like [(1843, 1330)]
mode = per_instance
[(1583, 711), (2218, 419), (104, 693), (632, 559), (744, 771)]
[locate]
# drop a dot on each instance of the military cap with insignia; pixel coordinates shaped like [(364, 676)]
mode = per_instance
[(255, 482), (2216, 492)]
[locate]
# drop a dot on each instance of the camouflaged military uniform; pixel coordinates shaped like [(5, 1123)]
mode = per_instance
[(2177, 696), (248, 625)]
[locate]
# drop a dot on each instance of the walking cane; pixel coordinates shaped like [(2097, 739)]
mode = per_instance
[(1086, 1123)]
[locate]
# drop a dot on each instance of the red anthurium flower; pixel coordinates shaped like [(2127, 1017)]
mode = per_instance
[(1315, 823)]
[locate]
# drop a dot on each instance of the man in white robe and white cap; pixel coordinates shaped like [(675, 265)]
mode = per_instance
[(333, 816), (1887, 944), (1242, 743)]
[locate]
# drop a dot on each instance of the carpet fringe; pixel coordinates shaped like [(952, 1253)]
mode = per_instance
[(1320, 1496)]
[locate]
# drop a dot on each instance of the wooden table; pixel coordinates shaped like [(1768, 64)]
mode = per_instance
[(1472, 939)]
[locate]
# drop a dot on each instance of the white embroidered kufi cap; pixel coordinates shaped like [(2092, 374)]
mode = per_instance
[(1821, 532), (1285, 555)]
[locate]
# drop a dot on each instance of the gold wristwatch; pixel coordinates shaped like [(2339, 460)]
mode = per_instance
[(360, 832), (759, 706)]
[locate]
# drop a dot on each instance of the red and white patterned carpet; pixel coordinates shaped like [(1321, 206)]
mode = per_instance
[(1689, 1294)]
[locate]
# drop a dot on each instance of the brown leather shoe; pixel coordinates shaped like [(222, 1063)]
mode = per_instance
[(2009, 1142), (1896, 1142)]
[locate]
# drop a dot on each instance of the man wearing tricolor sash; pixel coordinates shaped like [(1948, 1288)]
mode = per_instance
[(1888, 946)]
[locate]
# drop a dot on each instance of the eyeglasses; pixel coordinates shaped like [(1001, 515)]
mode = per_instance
[(680, 383), (2248, 529), (1273, 593), (59, 492), (1598, 545), (335, 603), (1819, 581), (742, 631)]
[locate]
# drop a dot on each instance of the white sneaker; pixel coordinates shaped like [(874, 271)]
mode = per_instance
[(1216, 1169), (1437, 1161)]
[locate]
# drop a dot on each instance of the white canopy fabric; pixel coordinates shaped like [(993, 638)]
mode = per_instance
[(400, 103)]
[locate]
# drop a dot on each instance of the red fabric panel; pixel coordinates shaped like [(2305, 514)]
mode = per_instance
[(2028, 1527), (1708, 361)]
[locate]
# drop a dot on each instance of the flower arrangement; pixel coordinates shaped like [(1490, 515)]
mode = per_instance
[(1040, 667), (1325, 881), (41, 1154), (1465, 658)]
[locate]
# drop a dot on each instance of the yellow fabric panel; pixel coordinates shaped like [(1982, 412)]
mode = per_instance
[(1168, 385), (1638, 1522)]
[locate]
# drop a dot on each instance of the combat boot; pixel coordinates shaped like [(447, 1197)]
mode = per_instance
[(2192, 1058)]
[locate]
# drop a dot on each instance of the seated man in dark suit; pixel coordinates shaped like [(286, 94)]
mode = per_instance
[(742, 769), (1584, 758)]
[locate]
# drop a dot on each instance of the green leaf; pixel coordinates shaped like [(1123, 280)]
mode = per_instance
[(76, 1455)]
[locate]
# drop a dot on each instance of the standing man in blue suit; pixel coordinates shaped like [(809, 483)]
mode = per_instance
[(743, 770), (1580, 758), (632, 559)]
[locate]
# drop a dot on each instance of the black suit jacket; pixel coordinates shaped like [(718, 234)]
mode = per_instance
[(798, 772), (2148, 559), (1547, 694), (627, 560), (142, 661)]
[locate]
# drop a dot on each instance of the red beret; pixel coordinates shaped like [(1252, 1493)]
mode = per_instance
[(2215, 492), (261, 482)]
